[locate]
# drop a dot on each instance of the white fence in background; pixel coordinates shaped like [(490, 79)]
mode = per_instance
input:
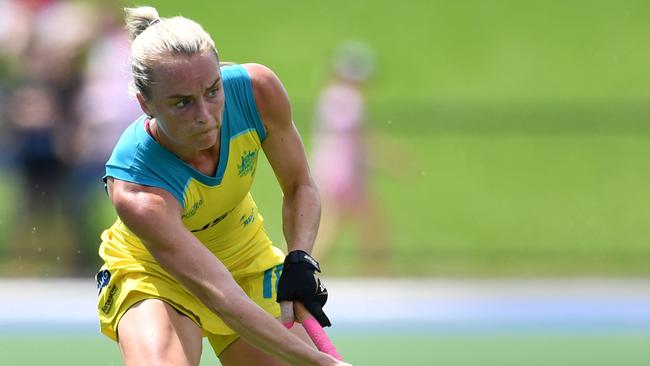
[(425, 304)]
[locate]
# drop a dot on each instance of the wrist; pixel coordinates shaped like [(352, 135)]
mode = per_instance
[(300, 256)]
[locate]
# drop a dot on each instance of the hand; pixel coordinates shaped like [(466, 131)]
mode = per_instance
[(298, 282)]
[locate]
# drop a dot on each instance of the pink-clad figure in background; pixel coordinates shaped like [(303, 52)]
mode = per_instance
[(341, 161)]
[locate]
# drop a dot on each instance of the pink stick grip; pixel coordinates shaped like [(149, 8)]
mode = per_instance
[(319, 337)]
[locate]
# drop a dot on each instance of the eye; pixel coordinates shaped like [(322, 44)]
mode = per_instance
[(182, 103), (213, 92)]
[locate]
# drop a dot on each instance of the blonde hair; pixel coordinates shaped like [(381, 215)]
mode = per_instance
[(154, 38)]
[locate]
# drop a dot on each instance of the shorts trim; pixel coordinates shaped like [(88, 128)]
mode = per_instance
[(135, 297)]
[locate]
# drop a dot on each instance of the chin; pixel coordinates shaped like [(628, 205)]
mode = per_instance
[(208, 139)]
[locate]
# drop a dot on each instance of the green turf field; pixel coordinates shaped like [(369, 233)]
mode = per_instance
[(423, 350)]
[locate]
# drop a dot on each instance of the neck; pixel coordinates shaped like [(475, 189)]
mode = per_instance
[(159, 135)]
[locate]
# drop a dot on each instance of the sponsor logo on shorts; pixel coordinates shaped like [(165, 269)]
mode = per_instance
[(109, 300), (103, 278)]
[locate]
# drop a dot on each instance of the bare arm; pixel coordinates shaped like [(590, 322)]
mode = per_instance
[(286, 154), (155, 216)]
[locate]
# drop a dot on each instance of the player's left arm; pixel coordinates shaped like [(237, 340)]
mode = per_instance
[(301, 202), (284, 149)]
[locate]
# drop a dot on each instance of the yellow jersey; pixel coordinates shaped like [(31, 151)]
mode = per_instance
[(219, 210)]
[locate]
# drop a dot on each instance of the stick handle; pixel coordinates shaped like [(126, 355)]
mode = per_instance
[(315, 331)]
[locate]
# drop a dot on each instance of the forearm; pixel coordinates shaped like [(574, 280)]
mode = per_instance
[(268, 334), (216, 288), (154, 216), (301, 216)]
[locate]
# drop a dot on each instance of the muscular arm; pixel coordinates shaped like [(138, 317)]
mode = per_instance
[(286, 154), (155, 216)]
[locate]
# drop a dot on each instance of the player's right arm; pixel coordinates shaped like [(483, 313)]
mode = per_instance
[(154, 215)]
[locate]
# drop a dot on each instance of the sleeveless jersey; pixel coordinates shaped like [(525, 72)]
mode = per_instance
[(219, 210)]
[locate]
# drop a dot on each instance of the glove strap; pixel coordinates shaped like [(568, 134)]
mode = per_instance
[(300, 256)]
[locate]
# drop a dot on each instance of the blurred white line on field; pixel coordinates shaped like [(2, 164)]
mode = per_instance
[(419, 301)]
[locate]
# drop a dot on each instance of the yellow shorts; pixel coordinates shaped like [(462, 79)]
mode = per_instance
[(122, 288)]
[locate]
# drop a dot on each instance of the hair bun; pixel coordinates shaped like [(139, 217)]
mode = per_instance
[(139, 19)]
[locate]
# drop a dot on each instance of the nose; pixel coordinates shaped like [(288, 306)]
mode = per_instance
[(202, 112)]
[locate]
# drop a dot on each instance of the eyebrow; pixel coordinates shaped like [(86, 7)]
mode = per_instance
[(179, 96)]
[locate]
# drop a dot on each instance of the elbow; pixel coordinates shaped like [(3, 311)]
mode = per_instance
[(313, 189), (311, 183), (307, 185)]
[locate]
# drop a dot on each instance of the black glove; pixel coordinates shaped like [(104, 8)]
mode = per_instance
[(298, 282)]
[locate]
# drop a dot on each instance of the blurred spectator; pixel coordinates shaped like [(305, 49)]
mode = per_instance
[(62, 82), (34, 114), (105, 110), (341, 160), (15, 34)]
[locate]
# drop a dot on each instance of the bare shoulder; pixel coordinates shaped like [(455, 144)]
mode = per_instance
[(260, 74), (136, 200), (270, 96)]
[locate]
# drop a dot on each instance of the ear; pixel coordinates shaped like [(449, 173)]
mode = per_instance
[(143, 103)]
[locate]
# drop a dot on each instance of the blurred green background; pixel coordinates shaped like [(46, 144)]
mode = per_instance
[(517, 130), (512, 136)]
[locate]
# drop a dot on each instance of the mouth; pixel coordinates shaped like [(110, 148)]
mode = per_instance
[(207, 130)]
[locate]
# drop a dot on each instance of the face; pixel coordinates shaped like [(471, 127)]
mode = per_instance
[(187, 101)]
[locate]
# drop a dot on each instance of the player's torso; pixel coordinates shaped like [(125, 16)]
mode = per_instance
[(219, 209), (216, 210)]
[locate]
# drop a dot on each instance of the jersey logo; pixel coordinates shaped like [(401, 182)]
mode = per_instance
[(247, 220), (214, 222), (192, 211), (247, 163)]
